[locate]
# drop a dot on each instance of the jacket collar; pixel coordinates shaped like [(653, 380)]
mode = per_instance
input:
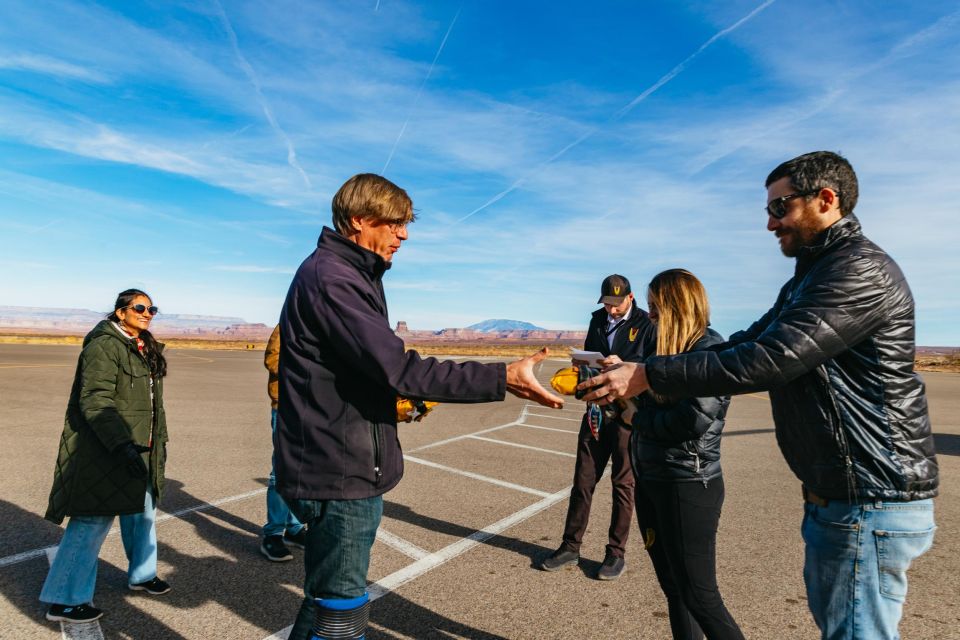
[(844, 228), (362, 259)]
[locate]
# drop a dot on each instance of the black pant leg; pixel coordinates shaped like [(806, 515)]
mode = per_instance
[(682, 625), (592, 457), (689, 512), (617, 441)]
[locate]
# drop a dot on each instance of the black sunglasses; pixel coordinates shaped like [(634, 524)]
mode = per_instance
[(140, 308), (778, 206)]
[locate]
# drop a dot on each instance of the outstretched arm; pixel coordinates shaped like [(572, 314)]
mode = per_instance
[(522, 382)]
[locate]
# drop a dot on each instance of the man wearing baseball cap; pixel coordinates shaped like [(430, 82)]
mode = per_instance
[(621, 330)]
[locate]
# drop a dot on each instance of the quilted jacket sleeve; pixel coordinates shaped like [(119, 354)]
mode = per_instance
[(100, 370), (687, 419), (835, 309)]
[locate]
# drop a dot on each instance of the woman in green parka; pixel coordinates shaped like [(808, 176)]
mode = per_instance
[(111, 460)]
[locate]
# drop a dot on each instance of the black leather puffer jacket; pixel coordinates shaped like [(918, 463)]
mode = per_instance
[(836, 352), (680, 441)]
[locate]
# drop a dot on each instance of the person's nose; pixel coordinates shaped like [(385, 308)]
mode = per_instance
[(402, 233), (772, 223)]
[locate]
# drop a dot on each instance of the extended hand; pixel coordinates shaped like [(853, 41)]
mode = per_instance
[(623, 380), (522, 383)]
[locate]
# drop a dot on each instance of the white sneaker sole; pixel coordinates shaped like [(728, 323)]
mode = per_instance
[(55, 618)]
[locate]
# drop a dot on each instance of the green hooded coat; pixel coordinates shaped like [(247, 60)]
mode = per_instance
[(110, 405)]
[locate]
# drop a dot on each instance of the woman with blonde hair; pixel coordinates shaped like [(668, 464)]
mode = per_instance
[(675, 449)]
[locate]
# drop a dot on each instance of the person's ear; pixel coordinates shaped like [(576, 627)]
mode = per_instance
[(828, 200), (357, 223)]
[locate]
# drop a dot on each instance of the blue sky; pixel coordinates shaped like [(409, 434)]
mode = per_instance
[(192, 148)]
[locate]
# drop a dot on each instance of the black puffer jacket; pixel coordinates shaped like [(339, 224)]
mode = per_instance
[(836, 352), (680, 441)]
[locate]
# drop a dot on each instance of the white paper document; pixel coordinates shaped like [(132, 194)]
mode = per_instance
[(592, 358)]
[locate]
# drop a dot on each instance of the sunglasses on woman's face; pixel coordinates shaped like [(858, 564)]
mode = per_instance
[(141, 308)]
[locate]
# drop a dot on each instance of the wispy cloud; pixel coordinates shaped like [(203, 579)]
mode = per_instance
[(670, 75), (261, 99), (52, 67), (416, 99), (250, 268)]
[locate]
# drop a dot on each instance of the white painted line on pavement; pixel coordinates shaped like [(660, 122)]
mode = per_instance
[(536, 426), (406, 548), (525, 446), (536, 406), (399, 578), (36, 553), (477, 476), (75, 630), (413, 571), (207, 505), (540, 415), (464, 436)]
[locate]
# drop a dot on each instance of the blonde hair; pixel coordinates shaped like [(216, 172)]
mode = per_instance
[(683, 310), (370, 196)]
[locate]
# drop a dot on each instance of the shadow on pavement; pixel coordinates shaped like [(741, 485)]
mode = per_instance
[(20, 586), (409, 620), (746, 432), (531, 551), (947, 444)]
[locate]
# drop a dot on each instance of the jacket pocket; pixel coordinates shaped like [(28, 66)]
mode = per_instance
[(376, 437)]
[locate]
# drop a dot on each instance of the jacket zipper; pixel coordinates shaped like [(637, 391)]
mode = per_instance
[(841, 437), (375, 432)]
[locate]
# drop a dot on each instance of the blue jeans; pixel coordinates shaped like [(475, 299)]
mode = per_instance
[(73, 574), (855, 569), (340, 534), (279, 516)]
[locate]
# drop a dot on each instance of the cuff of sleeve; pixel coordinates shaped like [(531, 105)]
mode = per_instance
[(656, 373), (501, 380)]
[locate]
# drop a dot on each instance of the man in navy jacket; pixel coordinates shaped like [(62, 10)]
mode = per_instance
[(341, 370)]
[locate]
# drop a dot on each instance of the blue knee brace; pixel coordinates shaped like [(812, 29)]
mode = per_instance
[(341, 619)]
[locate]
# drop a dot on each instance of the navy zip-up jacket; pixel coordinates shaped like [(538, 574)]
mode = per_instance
[(341, 369)]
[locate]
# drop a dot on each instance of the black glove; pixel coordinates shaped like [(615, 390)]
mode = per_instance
[(130, 454)]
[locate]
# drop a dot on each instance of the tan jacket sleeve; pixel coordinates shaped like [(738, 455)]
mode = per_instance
[(271, 360)]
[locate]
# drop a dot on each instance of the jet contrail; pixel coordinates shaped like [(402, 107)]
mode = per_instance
[(416, 100), (267, 111), (670, 75)]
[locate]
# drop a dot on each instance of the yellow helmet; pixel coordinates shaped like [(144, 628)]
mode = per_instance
[(413, 410), (565, 381)]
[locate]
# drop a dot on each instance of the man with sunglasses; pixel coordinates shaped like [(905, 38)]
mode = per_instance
[(341, 370), (836, 353)]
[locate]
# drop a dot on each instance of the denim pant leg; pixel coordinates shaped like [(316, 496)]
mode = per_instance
[(139, 534), (279, 515), (73, 574), (857, 558), (340, 535)]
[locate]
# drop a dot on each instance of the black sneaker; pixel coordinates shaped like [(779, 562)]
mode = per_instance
[(154, 587), (298, 539), (273, 548), (559, 559), (73, 613), (612, 567)]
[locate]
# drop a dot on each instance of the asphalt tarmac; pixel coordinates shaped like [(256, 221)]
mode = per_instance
[(483, 498)]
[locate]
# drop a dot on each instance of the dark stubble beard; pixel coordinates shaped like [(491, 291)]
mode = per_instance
[(802, 235)]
